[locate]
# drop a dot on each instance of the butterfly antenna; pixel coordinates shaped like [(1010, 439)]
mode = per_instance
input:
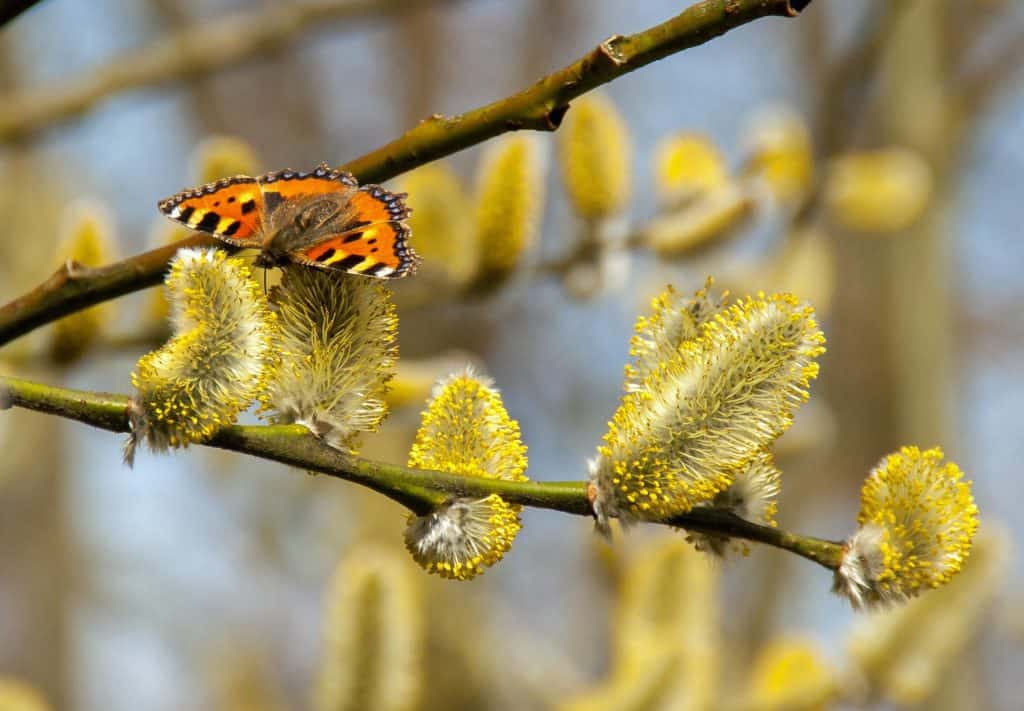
[(264, 282)]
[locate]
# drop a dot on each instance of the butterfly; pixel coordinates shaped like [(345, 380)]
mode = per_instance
[(322, 218)]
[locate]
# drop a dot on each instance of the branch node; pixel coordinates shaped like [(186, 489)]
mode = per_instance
[(795, 7), (75, 270), (556, 115), (610, 49)]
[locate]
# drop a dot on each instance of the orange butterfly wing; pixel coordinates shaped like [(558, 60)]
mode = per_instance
[(230, 209), (374, 241), (282, 185)]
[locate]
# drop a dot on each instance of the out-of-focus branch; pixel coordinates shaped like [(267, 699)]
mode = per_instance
[(977, 86), (846, 81), (9, 9), (540, 107), (206, 47), (420, 490)]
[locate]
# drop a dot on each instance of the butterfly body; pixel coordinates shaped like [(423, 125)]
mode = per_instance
[(321, 218)]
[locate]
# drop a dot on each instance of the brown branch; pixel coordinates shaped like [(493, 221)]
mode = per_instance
[(203, 48), (72, 288), (540, 107)]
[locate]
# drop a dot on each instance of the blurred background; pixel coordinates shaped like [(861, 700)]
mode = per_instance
[(865, 156)]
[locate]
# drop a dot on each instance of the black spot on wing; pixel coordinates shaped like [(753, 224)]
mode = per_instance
[(232, 228), (326, 255), (185, 214), (271, 200), (209, 222), (248, 206), (352, 260), (372, 271), (352, 237)]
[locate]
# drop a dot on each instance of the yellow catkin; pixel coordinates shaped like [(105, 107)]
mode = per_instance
[(669, 600), (509, 202), (674, 319), (466, 430), (807, 266), (214, 158), (88, 241), (17, 695), (336, 341), (415, 378), (781, 153), (595, 156), (927, 517), (242, 680), (708, 219), (790, 675), (666, 644), (221, 157), (216, 363), (442, 220), (642, 689), (878, 192), (707, 410), (904, 653), (687, 166), (373, 636), (158, 309)]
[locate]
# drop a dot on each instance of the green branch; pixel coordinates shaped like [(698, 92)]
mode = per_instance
[(540, 107), (419, 490)]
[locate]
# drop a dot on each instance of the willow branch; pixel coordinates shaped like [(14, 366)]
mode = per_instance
[(540, 107), (200, 49), (10, 9), (74, 287), (420, 490)]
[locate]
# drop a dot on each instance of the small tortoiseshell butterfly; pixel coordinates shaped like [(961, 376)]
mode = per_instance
[(322, 218)]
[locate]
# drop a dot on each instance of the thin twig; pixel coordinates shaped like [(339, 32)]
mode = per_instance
[(420, 490), (206, 47), (540, 107)]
